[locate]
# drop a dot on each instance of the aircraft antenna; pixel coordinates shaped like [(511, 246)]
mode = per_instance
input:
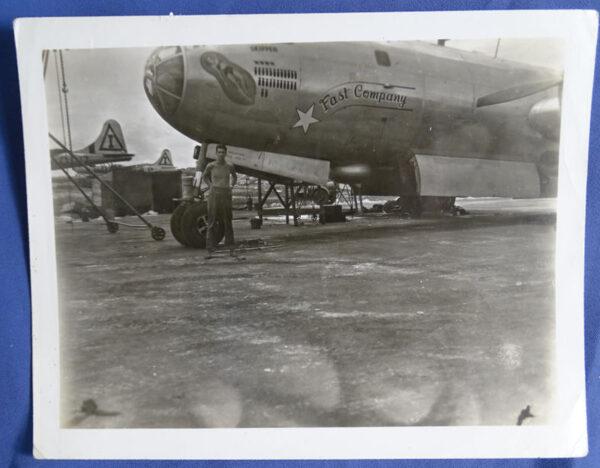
[(45, 55), (497, 47), (65, 90), (62, 115)]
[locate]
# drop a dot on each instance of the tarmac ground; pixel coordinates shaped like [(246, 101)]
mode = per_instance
[(379, 321)]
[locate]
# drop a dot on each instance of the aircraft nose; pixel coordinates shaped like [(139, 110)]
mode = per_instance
[(164, 78)]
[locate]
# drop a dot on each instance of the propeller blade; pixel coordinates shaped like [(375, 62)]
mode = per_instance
[(517, 92)]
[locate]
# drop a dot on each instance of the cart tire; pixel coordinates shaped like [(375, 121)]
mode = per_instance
[(193, 226), (158, 233), (176, 228), (112, 227)]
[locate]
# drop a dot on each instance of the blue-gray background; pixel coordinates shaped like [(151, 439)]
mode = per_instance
[(15, 321)]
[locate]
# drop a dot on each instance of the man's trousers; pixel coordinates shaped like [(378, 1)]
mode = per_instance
[(219, 211)]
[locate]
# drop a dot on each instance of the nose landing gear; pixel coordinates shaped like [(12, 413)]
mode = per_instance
[(189, 224)]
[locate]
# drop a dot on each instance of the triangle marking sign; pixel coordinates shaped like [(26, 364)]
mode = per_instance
[(165, 159), (110, 141)]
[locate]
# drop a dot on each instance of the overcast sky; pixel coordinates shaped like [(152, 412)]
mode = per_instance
[(107, 84)]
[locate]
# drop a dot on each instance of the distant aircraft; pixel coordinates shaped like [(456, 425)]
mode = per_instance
[(164, 163), (108, 148), (420, 121)]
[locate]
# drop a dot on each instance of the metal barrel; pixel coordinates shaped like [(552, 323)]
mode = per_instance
[(187, 187)]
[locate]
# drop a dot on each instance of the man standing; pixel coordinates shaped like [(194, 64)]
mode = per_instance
[(220, 178)]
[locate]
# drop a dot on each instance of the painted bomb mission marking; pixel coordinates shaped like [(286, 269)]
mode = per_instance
[(351, 94)]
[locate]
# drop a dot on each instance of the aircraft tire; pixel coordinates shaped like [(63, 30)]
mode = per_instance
[(193, 226), (176, 228)]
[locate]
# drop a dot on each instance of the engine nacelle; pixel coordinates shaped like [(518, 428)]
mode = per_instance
[(544, 117)]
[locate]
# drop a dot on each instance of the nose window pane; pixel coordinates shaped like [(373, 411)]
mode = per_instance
[(164, 79), (169, 75), (169, 102), (148, 86), (167, 52)]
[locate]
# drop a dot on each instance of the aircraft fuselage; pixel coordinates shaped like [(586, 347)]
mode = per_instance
[(357, 105)]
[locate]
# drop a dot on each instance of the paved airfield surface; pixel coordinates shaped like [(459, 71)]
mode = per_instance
[(378, 321)]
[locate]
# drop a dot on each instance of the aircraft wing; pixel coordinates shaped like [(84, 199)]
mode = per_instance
[(517, 92)]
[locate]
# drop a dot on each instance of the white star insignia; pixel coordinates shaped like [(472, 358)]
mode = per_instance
[(305, 119)]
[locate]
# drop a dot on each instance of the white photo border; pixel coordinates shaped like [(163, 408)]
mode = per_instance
[(566, 438)]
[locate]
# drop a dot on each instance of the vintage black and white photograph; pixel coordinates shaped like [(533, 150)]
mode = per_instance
[(317, 234)]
